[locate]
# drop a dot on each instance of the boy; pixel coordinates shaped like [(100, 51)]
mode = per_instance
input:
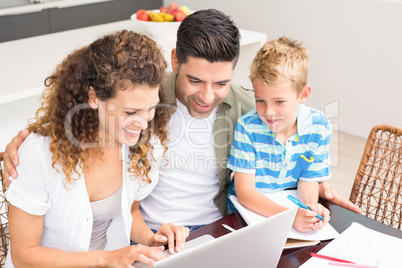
[(281, 144)]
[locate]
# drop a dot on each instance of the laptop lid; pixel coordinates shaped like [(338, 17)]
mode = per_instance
[(257, 245)]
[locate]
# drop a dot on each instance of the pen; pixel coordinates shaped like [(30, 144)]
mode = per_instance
[(228, 228), (329, 258), (300, 204), (355, 265)]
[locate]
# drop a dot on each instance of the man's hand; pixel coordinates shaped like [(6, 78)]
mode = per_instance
[(328, 192), (11, 156)]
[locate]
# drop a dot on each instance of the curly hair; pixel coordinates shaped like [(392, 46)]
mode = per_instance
[(106, 64)]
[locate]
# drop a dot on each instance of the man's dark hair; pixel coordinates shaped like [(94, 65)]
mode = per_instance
[(208, 34)]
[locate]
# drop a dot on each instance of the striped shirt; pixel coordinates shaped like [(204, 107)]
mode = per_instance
[(277, 166)]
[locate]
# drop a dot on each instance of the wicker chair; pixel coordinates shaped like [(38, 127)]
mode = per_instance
[(4, 232), (377, 189)]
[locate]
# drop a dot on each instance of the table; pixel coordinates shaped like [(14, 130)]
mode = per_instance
[(341, 219)]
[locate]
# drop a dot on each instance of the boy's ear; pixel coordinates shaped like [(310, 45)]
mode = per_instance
[(93, 100), (305, 94), (175, 62)]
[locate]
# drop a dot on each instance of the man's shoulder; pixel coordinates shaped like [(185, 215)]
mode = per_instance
[(239, 90), (242, 96)]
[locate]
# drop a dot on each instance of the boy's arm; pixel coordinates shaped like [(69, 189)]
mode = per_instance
[(308, 192), (255, 201), (252, 199)]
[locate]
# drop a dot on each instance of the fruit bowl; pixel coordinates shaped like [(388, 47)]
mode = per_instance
[(158, 29)]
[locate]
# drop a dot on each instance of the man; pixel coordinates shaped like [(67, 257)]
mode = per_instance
[(194, 182)]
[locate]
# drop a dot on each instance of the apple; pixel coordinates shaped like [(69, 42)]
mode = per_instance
[(172, 7), (142, 14), (180, 15), (163, 10), (185, 9)]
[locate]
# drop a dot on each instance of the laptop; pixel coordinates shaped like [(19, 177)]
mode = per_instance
[(257, 245)]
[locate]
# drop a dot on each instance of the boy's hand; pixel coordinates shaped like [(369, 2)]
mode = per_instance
[(305, 220), (321, 210), (11, 156)]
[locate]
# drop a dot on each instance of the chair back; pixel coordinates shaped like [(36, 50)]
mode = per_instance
[(377, 188), (4, 232)]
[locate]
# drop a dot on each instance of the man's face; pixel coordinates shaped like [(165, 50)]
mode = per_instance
[(201, 85)]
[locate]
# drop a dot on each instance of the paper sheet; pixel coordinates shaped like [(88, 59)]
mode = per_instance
[(363, 246), (250, 217)]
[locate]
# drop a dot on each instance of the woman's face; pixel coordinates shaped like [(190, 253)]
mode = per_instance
[(123, 117)]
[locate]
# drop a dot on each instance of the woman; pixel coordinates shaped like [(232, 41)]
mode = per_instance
[(89, 160)]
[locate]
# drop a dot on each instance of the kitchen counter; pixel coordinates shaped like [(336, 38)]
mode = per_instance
[(29, 8), (25, 63)]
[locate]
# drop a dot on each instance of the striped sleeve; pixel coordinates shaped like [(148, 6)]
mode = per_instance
[(320, 169), (242, 154)]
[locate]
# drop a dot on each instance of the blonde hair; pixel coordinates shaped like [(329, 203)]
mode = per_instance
[(279, 61)]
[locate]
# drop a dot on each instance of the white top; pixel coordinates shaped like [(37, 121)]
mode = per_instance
[(189, 183), (39, 190), (103, 212)]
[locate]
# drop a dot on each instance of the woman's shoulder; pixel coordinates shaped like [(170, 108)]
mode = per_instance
[(35, 143)]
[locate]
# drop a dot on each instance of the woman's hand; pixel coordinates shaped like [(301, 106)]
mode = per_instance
[(125, 257), (171, 233)]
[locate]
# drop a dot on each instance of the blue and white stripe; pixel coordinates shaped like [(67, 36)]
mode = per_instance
[(276, 166)]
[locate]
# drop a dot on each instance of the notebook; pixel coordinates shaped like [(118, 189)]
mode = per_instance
[(257, 245), (301, 239), (364, 246)]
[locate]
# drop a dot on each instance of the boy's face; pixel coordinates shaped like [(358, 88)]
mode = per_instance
[(202, 85), (277, 106)]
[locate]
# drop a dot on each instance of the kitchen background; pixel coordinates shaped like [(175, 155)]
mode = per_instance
[(355, 58)]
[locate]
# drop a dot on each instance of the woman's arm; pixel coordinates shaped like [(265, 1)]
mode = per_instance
[(26, 251)]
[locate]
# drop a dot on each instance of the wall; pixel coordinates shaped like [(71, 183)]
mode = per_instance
[(355, 52)]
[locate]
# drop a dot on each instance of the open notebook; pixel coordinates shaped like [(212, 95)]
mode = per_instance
[(295, 238)]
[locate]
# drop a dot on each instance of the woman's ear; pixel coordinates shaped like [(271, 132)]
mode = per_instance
[(93, 100), (305, 94), (175, 62)]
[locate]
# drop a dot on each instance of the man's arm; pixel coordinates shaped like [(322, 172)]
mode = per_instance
[(11, 156), (329, 193)]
